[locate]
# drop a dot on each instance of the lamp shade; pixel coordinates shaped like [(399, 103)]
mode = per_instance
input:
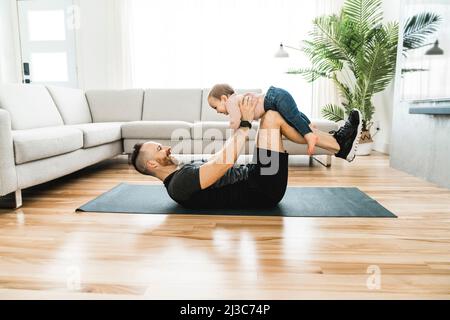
[(281, 53), (435, 50)]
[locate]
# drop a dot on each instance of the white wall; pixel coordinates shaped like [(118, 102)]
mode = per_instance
[(10, 70), (384, 101)]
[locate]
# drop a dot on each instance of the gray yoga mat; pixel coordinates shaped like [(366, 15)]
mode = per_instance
[(297, 202)]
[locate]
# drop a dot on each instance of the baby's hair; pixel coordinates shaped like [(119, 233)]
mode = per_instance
[(219, 90)]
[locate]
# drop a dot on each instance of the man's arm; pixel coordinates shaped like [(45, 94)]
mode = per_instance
[(223, 160)]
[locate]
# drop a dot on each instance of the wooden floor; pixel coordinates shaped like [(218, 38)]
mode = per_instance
[(49, 251)]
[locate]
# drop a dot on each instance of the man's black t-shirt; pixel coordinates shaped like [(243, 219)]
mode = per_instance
[(260, 184), (231, 190)]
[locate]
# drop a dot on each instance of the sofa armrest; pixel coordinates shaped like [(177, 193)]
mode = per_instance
[(8, 176)]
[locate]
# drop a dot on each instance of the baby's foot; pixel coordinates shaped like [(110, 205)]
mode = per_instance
[(311, 140)]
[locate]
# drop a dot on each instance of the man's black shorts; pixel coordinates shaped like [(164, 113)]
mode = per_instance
[(268, 176)]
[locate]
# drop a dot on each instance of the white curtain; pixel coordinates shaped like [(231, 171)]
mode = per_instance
[(104, 43), (119, 44), (9, 61), (197, 43)]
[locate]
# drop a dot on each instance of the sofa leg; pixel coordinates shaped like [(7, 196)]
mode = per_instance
[(325, 161), (328, 161), (12, 200)]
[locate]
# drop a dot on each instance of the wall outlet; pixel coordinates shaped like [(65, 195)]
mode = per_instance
[(377, 125)]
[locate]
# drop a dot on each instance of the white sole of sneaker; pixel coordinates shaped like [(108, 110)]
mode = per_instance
[(352, 154)]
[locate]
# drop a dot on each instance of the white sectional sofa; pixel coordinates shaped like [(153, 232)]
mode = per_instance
[(48, 132)]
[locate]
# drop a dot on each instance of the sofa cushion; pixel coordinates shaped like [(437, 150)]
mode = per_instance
[(95, 134), (172, 104), (325, 125), (218, 130), (41, 143), (184, 146), (72, 104), (157, 130), (115, 105), (209, 114), (30, 106), (32, 173)]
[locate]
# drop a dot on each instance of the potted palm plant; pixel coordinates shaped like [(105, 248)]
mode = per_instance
[(358, 52)]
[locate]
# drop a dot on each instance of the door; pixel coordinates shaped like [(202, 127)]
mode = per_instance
[(47, 39)]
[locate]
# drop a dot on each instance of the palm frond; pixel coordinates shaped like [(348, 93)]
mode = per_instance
[(326, 37), (366, 14), (309, 75), (345, 93), (384, 65), (378, 61), (368, 112), (418, 28), (333, 112)]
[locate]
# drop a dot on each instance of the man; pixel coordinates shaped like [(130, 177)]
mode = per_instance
[(219, 183)]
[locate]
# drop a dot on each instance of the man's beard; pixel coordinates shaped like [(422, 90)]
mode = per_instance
[(175, 161), (171, 161)]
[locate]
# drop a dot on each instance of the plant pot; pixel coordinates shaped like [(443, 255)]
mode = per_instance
[(365, 144)]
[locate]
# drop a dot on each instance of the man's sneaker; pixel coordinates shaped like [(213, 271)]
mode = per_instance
[(348, 136)]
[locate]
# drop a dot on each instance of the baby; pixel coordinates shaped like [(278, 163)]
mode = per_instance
[(223, 99)]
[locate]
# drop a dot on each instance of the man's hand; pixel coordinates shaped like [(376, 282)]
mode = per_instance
[(247, 106)]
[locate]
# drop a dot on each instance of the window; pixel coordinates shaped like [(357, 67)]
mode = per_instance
[(47, 41), (197, 43), (46, 25), (427, 77)]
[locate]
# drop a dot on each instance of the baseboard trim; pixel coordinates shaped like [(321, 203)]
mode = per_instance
[(382, 147)]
